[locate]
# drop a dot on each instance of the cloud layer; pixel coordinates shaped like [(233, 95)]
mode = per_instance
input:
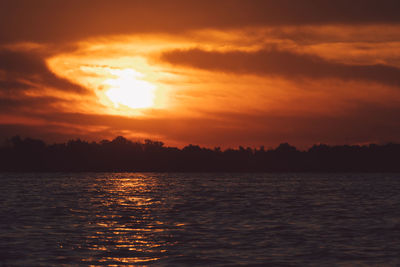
[(23, 70), (282, 63), (50, 21), (234, 72)]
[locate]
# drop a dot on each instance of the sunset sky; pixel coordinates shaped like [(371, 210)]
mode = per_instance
[(214, 73)]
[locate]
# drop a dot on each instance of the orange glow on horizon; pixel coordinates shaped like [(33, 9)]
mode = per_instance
[(221, 80), (126, 86)]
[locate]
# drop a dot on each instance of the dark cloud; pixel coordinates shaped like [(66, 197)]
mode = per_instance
[(31, 67), (281, 63), (49, 133), (13, 85), (364, 123), (25, 105), (49, 20)]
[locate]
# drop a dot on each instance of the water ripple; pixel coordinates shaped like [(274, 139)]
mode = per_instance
[(199, 219)]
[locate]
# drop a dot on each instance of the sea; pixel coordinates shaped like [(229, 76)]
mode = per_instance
[(199, 219)]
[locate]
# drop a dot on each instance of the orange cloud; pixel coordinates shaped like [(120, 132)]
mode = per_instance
[(223, 73)]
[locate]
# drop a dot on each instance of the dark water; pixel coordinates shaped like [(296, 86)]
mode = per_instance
[(200, 219)]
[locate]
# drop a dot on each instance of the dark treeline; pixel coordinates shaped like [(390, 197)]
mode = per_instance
[(120, 154)]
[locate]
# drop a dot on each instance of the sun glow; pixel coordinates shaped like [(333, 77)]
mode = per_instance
[(130, 90)]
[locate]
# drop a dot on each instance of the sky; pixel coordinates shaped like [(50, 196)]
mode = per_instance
[(213, 73)]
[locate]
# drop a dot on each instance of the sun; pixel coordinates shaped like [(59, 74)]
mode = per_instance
[(128, 89)]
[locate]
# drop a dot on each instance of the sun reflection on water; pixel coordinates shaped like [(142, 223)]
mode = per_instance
[(126, 231)]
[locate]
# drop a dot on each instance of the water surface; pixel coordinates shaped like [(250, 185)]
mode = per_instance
[(199, 219)]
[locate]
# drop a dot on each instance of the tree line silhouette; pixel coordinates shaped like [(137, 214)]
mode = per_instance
[(121, 154)]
